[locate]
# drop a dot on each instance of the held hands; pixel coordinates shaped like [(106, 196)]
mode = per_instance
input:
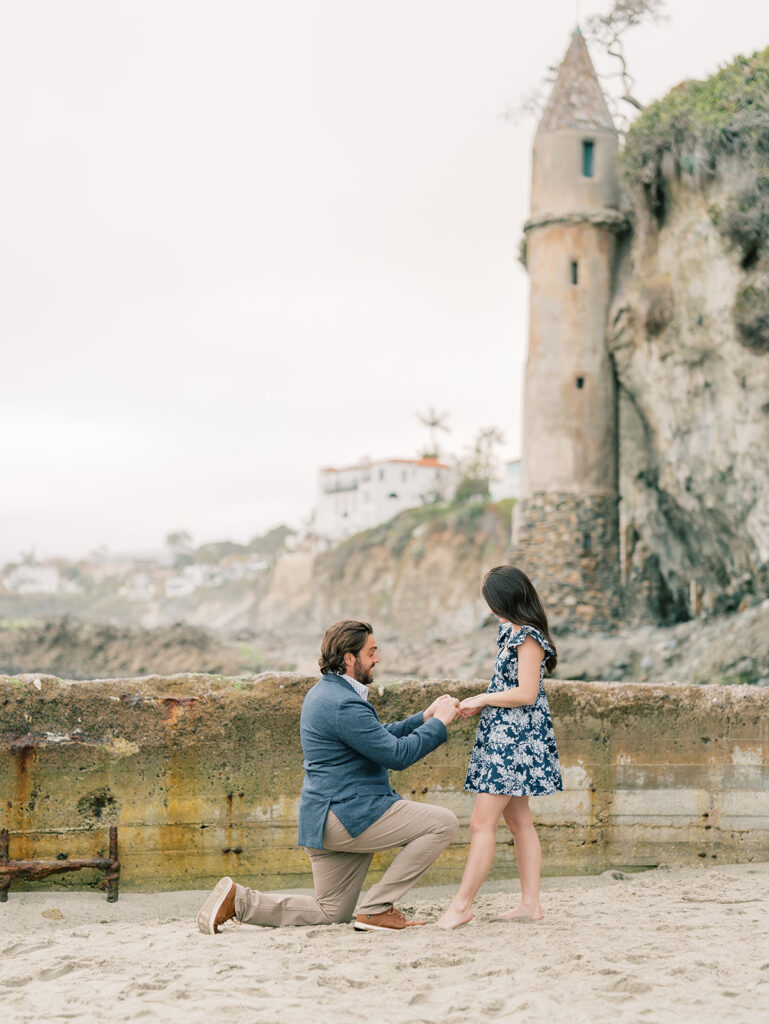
[(472, 705), (445, 708)]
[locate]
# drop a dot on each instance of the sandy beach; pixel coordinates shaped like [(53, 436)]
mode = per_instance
[(666, 945)]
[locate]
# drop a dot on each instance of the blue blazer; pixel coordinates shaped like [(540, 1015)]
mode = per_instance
[(347, 752)]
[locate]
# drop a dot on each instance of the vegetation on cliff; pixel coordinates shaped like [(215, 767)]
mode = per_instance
[(727, 113), (683, 137), (475, 521)]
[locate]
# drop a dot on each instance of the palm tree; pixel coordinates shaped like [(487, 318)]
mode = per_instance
[(434, 421)]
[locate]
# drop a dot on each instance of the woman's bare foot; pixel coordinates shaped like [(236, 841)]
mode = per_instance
[(523, 912), (454, 917)]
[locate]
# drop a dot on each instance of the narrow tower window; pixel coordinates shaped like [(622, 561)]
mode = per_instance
[(580, 383), (588, 153), (587, 543), (574, 272)]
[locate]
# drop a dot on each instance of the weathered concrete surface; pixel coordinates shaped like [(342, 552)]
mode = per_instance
[(202, 775)]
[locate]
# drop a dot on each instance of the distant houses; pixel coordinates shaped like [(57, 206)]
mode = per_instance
[(230, 568), (32, 579), (355, 498), (350, 499), (136, 580)]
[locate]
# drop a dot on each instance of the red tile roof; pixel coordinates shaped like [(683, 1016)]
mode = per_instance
[(434, 463)]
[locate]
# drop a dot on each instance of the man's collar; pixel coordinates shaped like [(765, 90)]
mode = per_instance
[(359, 688)]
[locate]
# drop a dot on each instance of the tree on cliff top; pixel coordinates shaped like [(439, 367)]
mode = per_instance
[(179, 543), (272, 542), (609, 31), (477, 470)]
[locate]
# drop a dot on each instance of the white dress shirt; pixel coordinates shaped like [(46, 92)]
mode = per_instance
[(359, 688)]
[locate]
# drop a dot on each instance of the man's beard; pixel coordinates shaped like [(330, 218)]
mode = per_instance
[(361, 674)]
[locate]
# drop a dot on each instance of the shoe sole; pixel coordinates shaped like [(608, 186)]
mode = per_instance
[(212, 906), (385, 928)]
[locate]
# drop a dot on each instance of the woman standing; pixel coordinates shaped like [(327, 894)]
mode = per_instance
[(514, 755)]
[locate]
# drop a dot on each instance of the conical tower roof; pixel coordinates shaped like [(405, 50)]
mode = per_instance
[(577, 100)]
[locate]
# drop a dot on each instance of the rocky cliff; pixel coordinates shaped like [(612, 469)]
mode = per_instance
[(87, 650), (689, 335)]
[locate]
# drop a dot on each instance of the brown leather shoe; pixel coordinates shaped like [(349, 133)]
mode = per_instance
[(218, 908), (388, 920)]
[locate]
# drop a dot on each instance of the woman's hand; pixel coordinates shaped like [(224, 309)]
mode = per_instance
[(471, 705)]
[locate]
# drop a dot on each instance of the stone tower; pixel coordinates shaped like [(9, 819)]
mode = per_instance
[(565, 532)]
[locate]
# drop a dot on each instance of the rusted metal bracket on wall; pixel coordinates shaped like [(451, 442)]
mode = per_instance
[(32, 870)]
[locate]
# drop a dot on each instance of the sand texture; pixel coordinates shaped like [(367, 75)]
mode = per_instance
[(667, 945)]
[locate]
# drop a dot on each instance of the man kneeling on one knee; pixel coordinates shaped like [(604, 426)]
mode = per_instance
[(348, 810)]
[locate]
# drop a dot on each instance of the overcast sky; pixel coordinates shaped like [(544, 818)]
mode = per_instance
[(243, 240)]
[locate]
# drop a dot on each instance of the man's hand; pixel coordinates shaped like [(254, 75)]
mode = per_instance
[(445, 709), (429, 713)]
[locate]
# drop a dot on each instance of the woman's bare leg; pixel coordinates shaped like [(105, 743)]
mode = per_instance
[(483, 831), (528, 854)]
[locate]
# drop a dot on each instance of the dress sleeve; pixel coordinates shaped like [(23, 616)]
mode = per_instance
[(517, 638)]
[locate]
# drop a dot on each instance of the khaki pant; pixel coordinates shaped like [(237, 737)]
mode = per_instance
[(338, 870)]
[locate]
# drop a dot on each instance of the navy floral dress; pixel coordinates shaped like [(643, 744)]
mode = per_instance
[(514, 753)]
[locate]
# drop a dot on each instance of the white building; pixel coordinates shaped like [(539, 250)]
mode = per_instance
[(33, 579), (179, 586), (139, 586), (191, 578), (509, 483), (355, 498)]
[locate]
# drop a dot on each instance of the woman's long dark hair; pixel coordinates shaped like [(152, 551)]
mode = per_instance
[(511, 595)]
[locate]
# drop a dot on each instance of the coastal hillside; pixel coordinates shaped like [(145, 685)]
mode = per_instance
[(416, 579)]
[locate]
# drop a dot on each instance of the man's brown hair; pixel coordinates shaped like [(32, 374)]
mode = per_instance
[(345, 637)]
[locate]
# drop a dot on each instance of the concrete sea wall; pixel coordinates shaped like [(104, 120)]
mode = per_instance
[(202, 776)]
